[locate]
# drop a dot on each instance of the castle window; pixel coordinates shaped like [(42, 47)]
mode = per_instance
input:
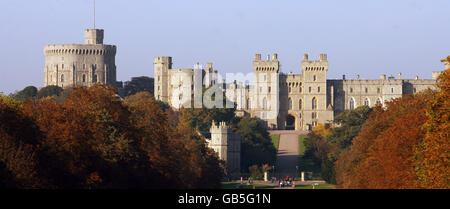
[(314, 103), (352, 104), (300, 104), (158, 88), (414, 90), (367, 102), (269, 89), (290, 89), (264, 104), (310, 89), (62, 78), (314, 77), (62, 66), (318, 89), (378, 90), (84, 66), (265, 77), (94, 79), (313, 115), (378, 101), (351, 90), (300, 90), (367, 90), (392, 90), (84, 78), (290, 104), (159, 78)]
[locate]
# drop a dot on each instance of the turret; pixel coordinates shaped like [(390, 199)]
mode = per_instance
[(93, 36)]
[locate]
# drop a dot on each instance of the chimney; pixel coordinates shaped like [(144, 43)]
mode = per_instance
[(268, 58), (357, 76), (343, 77), (305, 57)]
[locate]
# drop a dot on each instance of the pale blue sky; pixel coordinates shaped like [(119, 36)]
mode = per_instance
[(366, 37)]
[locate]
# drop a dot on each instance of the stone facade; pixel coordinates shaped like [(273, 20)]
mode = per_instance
[(228, 147), (176, 86), (71, 65), (295, 101)]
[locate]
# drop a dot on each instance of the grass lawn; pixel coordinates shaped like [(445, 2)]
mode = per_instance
[(321, 186), (234, 185), (275, 140), (306, 164)]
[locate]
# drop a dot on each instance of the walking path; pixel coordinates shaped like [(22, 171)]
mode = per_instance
[(287, 157)]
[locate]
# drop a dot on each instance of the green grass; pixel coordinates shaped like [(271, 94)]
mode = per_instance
[(321, 186), (275, 140), (234, 185), (306, 164)]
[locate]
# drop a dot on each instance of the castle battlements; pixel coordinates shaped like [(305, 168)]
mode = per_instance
[(220, 127), (72, 65), (296, 101)]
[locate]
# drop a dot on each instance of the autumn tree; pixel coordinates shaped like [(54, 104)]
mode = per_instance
[(381, 156), (433, 151)]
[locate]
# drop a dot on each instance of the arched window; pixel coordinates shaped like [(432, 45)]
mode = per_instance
[(314, 103), (367, 102), (62, 78), (264, 104), (300, 104), (290, 104), (314, 77), (84, 78), (94, 79), (318, 89), (352, 104), (378, 101)]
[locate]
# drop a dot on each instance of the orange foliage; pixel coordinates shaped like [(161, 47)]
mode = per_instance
[(382, 155), (433, 153)]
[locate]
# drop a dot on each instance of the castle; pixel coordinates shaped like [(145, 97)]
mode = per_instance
[(72, 65), (228, 147), (285, 101)]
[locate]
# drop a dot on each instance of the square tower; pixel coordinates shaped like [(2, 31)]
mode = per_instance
[(161, 69), (93, 36)]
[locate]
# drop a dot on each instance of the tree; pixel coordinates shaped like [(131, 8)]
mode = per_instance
[(49, 91), (19, 136), (137, 84), (433, 152), (28, 92), (256, 146), (381, 156)]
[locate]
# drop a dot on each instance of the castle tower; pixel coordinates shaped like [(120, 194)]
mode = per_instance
[(161, 69), (228, 147), (93, 36), (315, 90), (72, 65), (265, 99)]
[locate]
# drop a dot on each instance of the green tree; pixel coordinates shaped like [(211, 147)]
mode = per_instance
[(49, 91), (256, 145), (28, 92)]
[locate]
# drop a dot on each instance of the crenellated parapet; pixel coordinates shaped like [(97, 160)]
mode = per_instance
[(79, 49), (315, 65), (267, 65)]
